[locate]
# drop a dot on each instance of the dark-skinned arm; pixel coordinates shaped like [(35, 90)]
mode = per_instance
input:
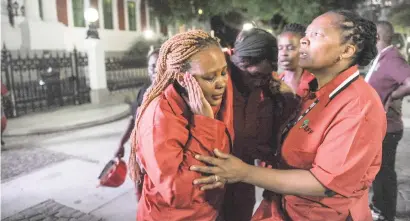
[(402, 91), (231, 170), (347, 147), (285, 181)]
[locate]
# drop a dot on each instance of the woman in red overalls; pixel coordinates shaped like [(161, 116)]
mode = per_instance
[(299, 79)]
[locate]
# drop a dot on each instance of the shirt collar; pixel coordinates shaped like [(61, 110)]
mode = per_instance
[(338, 84), (175, 100)]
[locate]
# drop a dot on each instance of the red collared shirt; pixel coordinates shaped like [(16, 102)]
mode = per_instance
[(340, 142), (169, 136), (304, 86)]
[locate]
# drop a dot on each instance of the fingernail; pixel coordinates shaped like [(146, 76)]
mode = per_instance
[(192, 168), (196, 156), (195, 182), (202, 189)]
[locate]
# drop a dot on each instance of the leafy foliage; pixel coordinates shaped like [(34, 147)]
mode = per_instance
[(400, 15), (293, 10)]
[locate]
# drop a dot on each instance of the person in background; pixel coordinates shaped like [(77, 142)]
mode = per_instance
[(152, 60), (300, 80), (186, 111), (4, 102), (389, 75), (332, 152), (259, 112)]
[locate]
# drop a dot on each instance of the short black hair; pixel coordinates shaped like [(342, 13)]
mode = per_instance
[(360, 32), (387, 31), (253, 46), (295, 28)]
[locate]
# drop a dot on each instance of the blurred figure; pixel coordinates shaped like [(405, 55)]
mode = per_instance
[(187, 111), (259, 111), (152, 60), (4, 101), (301, 81), (389, 75)]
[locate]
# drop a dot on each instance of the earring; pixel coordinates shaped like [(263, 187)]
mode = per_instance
[(338, 59)]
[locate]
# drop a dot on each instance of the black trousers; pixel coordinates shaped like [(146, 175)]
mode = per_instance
[(385, 184)]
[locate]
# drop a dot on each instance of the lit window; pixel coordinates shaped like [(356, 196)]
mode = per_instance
[(132, 18), (78, 13), (107, 9)]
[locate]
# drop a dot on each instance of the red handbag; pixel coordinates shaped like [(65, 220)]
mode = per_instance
[(114, 173)]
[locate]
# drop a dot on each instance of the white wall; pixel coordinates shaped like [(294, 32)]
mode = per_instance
[(112, 40)]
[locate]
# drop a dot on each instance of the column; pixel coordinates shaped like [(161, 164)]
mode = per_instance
[(147, 18), (127, 25), (32, 10), (101, 13), (96, 71), (138, 16), (115, 15), (50, 10), (157, 27)]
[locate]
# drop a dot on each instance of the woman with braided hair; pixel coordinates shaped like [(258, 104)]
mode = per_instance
[(186, 111), (301, 81), (332, 152)]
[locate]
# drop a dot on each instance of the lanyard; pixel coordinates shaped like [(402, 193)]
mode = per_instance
[(293, 123)]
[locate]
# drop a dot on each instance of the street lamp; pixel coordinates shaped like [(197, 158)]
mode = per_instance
[(148, 34), (247, 26), (91, 16)]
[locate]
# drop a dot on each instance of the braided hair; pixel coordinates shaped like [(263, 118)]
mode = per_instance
[(295, 28), (360, 32), (173, 59)]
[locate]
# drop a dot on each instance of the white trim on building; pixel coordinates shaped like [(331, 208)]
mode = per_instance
[(55, 35)]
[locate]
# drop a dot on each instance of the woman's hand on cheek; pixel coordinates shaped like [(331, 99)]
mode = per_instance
[(196, 100)]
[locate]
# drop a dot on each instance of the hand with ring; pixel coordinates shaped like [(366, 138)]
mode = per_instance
[(226, 169)]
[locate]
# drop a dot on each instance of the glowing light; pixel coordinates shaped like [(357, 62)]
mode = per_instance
[(148, 34), (247, 26), (91, 15)]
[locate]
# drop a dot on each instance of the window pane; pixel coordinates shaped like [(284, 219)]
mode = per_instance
[(78, 13), (132, 23), (107, 9), (40, 8)]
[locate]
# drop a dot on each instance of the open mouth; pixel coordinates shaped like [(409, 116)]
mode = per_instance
[(285, 63)]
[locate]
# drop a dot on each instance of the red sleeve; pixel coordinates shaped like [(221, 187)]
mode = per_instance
[(3, 89), (350, 156), (165, 157)]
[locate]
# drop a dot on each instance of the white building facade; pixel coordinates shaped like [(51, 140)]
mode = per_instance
[(60, 24)]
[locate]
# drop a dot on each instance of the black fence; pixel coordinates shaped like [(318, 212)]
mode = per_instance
[(125, 73), (43, 80)]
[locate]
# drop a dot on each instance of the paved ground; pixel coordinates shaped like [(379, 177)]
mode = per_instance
[(52, 211), (63, 167), (34, 158)]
